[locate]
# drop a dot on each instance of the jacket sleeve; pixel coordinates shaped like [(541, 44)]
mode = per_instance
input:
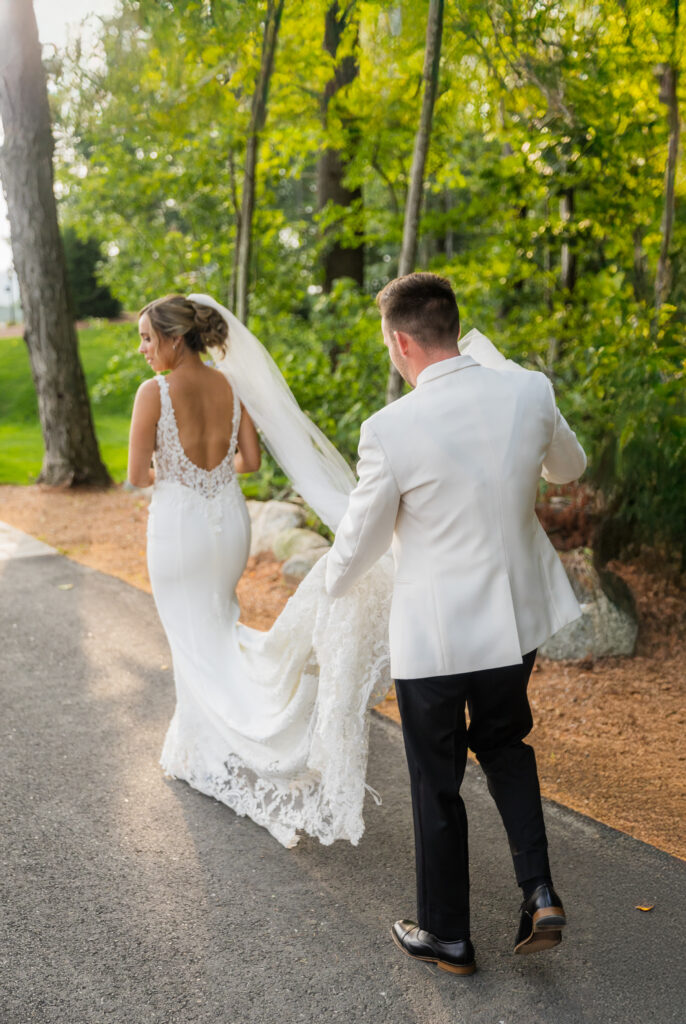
[(366, 530), (565, 459)]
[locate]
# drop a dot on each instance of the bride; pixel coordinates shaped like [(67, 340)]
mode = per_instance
[(274, 723)]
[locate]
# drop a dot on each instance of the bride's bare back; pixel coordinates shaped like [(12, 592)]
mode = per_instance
[(203, 406)]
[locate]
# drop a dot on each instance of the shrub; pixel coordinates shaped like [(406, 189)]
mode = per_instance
[(625, 394), (89, 298)]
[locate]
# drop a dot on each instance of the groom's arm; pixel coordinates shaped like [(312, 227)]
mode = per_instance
[(366, 530), (565, 459)]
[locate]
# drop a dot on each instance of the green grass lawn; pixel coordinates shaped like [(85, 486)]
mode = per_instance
[(112, 385)]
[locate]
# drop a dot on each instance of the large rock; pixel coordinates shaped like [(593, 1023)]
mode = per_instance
[(297, 542), (270, 518), (298, 565), (608, 625), (299, 550), (278, 527)]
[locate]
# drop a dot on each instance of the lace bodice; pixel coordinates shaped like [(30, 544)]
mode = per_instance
[(171, 461)]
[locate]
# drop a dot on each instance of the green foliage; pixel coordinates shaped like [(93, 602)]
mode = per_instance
[(88, 298), (334, 361), (124, 373), (629, 399), (548, 147)]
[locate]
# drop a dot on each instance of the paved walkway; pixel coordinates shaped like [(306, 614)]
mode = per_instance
[(129, 898)]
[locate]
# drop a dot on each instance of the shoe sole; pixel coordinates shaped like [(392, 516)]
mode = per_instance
[(545, 931), (443, 964)]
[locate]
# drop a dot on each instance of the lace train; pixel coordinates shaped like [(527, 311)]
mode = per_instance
[(342, 664)]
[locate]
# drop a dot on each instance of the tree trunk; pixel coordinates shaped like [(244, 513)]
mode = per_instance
[(340, 260), (257, 119), (71, 450), (668, 95), (408, 252), (233, 280), (553, 341), (448, 234), (567, 254), (640, 265)]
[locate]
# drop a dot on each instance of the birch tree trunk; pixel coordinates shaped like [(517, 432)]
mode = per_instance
[(71, 449), (257, 120), (408, 252)]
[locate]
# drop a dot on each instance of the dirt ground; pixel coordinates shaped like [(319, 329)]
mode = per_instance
[(609, 736)]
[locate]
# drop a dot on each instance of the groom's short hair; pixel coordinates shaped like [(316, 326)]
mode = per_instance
[(423, 306)]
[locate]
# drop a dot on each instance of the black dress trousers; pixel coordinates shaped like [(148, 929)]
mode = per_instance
[(436, 738)]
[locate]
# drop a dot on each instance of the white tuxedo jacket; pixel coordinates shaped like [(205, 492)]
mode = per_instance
[(449, 474)]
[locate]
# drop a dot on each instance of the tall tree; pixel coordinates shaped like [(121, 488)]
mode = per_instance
[(413, 205), (257, 120), (567, 254), (71, 450), (669, 78), (341, 259)]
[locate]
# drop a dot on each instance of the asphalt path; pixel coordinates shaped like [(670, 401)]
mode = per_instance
[(129, 898)]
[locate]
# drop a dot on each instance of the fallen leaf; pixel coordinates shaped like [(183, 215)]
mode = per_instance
[(65, 586), (648, 906)]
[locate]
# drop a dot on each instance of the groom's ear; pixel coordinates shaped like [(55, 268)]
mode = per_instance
[(403, 340)]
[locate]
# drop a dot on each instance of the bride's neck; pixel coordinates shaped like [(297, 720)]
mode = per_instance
[(187, 360)]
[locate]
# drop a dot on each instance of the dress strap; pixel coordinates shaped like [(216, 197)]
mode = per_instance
[(236, 419), (165, 399)]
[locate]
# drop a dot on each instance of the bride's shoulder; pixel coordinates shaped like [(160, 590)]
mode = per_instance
[(147, 401), (149, 390)]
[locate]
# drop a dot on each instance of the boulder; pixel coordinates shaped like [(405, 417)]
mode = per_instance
[(296, 542), (270, 518), (298, 565), (608, 625)]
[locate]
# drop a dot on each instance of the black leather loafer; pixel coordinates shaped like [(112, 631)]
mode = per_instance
[(542, 918), (456, 957)]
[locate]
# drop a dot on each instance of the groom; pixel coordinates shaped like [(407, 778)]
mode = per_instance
[(448, 474)]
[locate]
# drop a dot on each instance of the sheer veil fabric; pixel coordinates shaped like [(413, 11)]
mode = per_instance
[(274, 724)]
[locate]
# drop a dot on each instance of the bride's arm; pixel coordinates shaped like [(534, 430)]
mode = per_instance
[(248, 456), (146, 413)]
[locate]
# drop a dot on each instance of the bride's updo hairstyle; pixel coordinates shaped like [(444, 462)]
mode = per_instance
[(201, 327)]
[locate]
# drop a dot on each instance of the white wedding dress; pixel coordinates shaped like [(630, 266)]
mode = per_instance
[(274, 724)]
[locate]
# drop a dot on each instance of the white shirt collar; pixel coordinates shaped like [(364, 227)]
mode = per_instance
[(444, 366)]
